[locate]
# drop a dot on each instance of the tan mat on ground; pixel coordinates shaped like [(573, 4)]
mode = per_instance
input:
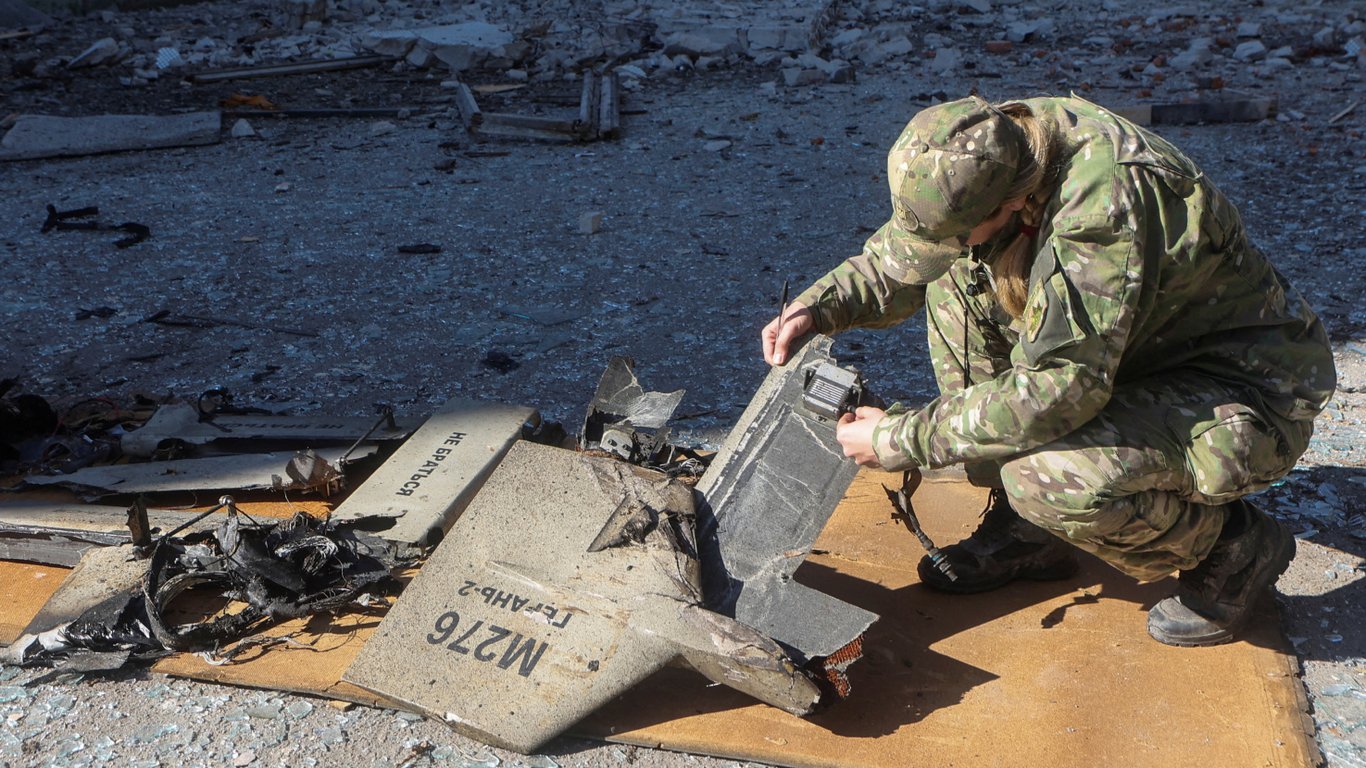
[(1037, 674)]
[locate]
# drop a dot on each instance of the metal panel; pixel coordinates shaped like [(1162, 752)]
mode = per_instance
[(180, 421), (567, 580), (433, 476), (764, 499), (247, 472)]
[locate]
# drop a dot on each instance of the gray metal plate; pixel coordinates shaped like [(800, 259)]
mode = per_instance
[(765, 498), (433, 476), (262, 471), (180, 421), (514, 630)]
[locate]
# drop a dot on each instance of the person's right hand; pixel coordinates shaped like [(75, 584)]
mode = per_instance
[(797, 323)]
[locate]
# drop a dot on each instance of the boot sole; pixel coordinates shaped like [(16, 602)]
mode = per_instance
[(935, 579), (1281, 561)]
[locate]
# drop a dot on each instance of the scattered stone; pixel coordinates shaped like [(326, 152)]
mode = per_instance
[(419, 57), (695, 44), (796, 76), (847, 38), (998, 46), (766, 58), (1249, 29), (168, 58), (895, 48), (381, 127), (590, 223), (103, 51), (18, 15), (1326, 37), (946, 60), (630, 70), (294, 14), (516, 75), (980, 6), (772, 37), (391, 43), (39, 136), (282, 188), (1021, 31), (242, 129), (1251, 50), (716, 145), (464, 46), (1199, 53), (841, 72)]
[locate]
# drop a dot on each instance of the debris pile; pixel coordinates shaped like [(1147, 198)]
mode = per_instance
[(590, 560), (806, 41), (277, 571)]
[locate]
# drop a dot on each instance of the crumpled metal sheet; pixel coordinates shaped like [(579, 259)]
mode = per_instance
[(183, 423), (262, 471), (621, 400), (280, 570)]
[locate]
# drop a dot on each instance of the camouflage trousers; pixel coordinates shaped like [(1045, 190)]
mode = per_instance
[(1145, 485)]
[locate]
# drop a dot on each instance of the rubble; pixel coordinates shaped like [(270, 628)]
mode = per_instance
[(279, 570), (16, 14), (41, 136), (277, 70), (461, 47), (590, 223), (1199, 53), (103, 51), (1252, 50), (1205, 111), (300, 14)]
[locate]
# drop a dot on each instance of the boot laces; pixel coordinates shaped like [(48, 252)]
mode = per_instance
[(999, 521)]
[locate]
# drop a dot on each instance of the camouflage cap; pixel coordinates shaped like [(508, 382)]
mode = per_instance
[(950, 168)]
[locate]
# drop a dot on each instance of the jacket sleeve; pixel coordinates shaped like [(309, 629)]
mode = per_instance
[(1083, 293), (880, 287)]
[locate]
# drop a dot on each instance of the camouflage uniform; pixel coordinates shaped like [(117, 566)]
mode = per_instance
[(1160, 369)]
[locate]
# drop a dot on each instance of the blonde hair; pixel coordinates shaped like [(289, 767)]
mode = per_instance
[(1010, 268)]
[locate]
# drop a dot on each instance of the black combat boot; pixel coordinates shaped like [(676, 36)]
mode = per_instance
[(1004, 547), (1215, 599)]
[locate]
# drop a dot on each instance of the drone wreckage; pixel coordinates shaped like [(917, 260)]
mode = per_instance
[(620, 568)]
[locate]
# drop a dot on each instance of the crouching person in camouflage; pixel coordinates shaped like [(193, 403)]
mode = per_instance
[(1113, 355)]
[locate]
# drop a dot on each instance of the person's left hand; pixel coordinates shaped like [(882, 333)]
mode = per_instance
[(855, 434)]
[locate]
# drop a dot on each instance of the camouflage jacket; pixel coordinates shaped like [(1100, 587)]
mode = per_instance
[(1142, 269)]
